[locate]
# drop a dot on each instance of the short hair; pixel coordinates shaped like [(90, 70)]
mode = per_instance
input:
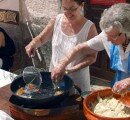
[(117, 15)]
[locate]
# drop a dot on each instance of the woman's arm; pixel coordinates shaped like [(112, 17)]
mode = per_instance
[(89, 58), (42, 38), (81, 48), (47, 33)]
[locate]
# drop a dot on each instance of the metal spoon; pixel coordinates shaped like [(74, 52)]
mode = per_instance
[(55, 84)]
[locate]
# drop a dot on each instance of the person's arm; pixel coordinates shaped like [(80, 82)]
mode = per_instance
[(1, 44), (42, 38), (122, 86), (2, 39), (86, 48), (59, 70), (88, 59)]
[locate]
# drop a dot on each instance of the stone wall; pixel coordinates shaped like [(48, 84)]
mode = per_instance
[(38, 13), (9, 4)]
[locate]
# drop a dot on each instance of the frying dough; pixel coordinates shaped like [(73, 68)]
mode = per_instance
[(58, 92)]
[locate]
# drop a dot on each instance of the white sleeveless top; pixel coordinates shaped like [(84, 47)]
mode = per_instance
[(62, 44)]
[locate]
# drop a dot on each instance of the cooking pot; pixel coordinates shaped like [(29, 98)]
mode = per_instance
[(92, 98), (40, 101)]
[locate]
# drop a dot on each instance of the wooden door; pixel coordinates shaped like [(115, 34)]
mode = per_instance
[(92, 11)]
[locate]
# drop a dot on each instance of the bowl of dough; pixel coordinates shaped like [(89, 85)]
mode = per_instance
[(105, 105)]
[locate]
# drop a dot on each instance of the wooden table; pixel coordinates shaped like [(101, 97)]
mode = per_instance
[(6, 77), (5, 94)]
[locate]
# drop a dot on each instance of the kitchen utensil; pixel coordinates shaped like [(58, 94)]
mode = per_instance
[(55, 82), (33, 60), (39, 57), (32, 77)]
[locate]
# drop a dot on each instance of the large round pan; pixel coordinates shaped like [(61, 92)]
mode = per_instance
[(40, 101)]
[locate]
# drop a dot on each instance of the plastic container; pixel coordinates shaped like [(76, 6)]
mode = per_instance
[(92, 98)]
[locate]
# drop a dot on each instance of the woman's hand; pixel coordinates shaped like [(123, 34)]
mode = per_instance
[(58, 72), (122, 86), (31, 47)]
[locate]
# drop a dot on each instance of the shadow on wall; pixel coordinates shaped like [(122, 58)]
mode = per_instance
[(14, 32)]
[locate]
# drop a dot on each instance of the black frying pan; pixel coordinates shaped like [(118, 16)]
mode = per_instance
[(40, 101)]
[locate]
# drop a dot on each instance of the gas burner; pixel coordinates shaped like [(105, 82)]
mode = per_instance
[(70, 103)]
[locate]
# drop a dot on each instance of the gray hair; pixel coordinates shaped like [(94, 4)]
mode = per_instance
[(118, 16)]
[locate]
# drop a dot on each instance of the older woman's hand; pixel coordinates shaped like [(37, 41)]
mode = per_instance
[(58, 72), (122, 86)]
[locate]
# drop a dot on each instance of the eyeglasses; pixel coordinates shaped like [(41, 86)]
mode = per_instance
[(69, 10), (114, 37), (118, 36)]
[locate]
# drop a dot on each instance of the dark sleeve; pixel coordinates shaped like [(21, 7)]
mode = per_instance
[(9, 49)]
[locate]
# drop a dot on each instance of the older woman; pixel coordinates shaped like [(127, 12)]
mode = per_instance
[(114, 38), (67, 30)]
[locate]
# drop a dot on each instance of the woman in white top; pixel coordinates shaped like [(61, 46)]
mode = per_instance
[(114, 38), (67, 30)]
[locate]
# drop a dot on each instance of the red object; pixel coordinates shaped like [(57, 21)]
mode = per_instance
[(106, 2), (92, 98)]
